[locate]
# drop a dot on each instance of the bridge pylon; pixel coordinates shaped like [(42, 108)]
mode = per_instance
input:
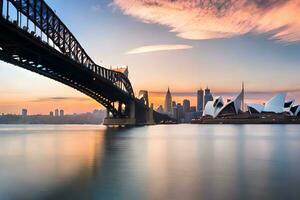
[(126, 116)]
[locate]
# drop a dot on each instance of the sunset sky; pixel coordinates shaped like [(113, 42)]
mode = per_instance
[(183, 44)]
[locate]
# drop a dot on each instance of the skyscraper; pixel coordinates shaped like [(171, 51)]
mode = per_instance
[(61, 113), (24, 112), (200, 96), (56, 112), (168, 102), (186, 105), (207, 96)]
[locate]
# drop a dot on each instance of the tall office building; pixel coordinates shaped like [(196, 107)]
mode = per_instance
[(180, 113), (207, 96), (186, 105), (174, 103), (56, 112), (200, 96), (24, 112), (168, 102), (61, 113)]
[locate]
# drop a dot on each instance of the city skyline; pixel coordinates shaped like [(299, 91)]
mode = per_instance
[(266, 58)]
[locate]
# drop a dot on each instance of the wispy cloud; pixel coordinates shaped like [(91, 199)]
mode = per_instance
[(208, 19), (51, 99), (154, 48)]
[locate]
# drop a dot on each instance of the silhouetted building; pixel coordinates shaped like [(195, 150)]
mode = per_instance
[(51, 114), (200, 96), (143, 95), (56, 112), (173, 104), (207, 96), (160, 109), (193, 109), (186, 105), (61, 113), (168, 102), (24, 112), (178, 112)]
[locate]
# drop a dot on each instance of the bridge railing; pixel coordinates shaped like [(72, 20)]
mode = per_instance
[(39, 17)]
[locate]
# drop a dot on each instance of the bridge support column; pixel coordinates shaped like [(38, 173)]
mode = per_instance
[(123, 121), (132, 110), (149, 116)]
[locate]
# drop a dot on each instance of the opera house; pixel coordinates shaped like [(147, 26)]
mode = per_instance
[(217, 107), (276, 110), (278, 105)]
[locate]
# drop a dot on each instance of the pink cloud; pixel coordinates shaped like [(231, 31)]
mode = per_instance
[(209, 19), (154, 48)]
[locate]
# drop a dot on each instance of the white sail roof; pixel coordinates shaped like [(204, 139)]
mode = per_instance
[(258, 107), (276, 104)]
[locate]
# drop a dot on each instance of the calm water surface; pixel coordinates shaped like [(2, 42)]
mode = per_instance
[(152, 163)]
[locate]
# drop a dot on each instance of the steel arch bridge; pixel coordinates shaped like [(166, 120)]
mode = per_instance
[(33, 37)]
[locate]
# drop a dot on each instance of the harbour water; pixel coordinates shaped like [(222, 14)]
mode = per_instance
[(152, 163)]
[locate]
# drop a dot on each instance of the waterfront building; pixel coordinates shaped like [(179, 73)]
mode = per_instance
[(200, 96), (168, 102), (51, 114), (276, 104), (24, 112), (175, 112), (193, 109), (61, 113), (217, 108), (255, 108), (174, 104), (295, 110), (207, 96), (212, 108), (56, 112), (186, 105), (180, 113), (288, 105), (234, 107)]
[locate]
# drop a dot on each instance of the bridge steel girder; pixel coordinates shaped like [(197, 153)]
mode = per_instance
[(1, 7), (21, 48), (43, 17), (69, 65)]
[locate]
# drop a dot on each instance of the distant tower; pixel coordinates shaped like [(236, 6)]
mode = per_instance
[(200, 96), (207, 96), (24, 112), (168, 102), (56, 112), (61, 113), (186, 105)]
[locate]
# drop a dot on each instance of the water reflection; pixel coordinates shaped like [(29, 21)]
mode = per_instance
[(157, 162), (41, 159)]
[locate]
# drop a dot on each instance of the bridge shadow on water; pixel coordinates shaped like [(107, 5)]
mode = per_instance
[(97, 180)]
